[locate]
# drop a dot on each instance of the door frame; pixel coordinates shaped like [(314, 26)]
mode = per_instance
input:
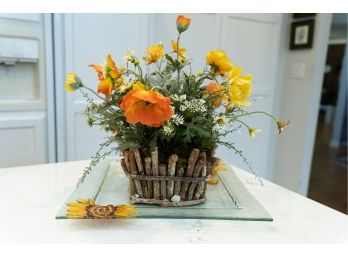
[(50, 85), (314, 101), (59, 92)]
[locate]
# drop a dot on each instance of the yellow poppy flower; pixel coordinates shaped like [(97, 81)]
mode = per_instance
[(72, 82), (239, 89), (219, 61), (181, 51), (155, 52)]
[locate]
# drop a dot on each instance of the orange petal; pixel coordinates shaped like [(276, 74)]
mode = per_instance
[(99, 70), (105, 86)]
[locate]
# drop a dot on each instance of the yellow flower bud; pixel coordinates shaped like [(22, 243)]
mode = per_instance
[(72, 82)]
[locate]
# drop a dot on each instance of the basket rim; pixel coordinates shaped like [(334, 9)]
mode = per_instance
[(166, 178)]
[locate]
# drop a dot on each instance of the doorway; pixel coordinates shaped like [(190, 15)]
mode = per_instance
[(328, 181)]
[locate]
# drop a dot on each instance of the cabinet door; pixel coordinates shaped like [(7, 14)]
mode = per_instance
[(252, 41), (88, 39)]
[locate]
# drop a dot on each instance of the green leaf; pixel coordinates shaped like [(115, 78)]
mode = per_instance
[(170, 59)]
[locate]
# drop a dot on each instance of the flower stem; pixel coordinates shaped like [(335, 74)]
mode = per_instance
[(243, 123), (94, 92), (257, 112), (134, 73), (177, 57), (141, 71)]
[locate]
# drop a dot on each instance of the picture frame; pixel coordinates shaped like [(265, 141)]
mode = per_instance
[(303, 15), (302, 33)]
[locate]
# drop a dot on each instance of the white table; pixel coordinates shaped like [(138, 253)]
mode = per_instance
[(32, 195)]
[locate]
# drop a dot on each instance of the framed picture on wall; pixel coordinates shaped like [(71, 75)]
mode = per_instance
[(302, 33), (303, 15)]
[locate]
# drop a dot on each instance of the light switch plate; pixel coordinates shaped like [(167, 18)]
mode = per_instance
[(297, 70)]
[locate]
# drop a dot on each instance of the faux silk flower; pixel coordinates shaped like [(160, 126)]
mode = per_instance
[(281, 125), (181, 51), (147, 107), (217, 90), (155, 52), (239, 89), (219, 61), (182, 23), (72, 82), (108, 75)]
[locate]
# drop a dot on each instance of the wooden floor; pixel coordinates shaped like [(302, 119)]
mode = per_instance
[(328, 182)]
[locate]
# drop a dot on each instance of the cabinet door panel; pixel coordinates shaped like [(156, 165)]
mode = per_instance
[(253, 42)]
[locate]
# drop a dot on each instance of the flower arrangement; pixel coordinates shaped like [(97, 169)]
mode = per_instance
[(158, 103)]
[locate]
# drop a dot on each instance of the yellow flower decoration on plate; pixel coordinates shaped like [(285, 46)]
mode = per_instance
[(87, 209)]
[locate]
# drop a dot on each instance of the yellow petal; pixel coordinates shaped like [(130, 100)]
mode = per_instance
[(125, 211), (80, 200), (76, 213), (72, 216), (76, 208), (73, 204)]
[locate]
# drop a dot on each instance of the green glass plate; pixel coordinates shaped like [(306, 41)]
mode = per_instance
[(228, 200)]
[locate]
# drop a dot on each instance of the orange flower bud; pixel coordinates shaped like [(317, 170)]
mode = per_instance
[(217, 90), (182, 23)]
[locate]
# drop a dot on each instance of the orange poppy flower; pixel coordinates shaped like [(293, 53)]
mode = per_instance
[(146, 106), (215, 89), (108, 75)]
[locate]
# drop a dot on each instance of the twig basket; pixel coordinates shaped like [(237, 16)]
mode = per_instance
[(166, 184)]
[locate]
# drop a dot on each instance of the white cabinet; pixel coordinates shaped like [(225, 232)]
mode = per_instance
[(23, 138), (23, 112)]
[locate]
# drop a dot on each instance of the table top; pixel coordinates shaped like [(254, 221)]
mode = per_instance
[(32, 195)]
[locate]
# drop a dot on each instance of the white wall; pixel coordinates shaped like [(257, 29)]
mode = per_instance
[(300, 104)]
